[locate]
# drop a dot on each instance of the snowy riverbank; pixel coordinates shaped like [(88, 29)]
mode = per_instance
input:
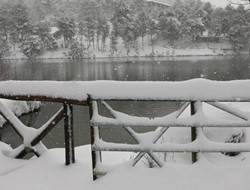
[(147, 52), (162, 50), (144, 52)]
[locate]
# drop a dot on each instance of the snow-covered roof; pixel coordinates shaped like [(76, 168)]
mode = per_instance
[(162, 2), (195, 89)]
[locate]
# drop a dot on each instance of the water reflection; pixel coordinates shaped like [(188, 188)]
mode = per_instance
[(216, 68), (5, 73)]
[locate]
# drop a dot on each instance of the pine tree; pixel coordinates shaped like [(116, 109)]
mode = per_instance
[(89, 31), (42, 30), (152, 30), (20, 21), (102, 32), (66, 29), (142, 25), (80, 28), (113, 42), (170, 27)]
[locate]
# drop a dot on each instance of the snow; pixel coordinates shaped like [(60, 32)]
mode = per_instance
[(160, 50), (146, 51), (213, 170), (147, 141), (54, 54), (27, 133), (166, 121), (195, 89), (48, 172), (18, 107)]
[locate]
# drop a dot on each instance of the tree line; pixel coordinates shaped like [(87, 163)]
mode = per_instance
[(85, 24)]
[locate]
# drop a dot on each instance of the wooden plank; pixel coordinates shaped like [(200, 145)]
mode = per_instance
[(50, 126), (68, 132), (230, 110), (44, 99), (193, 130), (85, 102), (92, 141), (218, 148), (25, 151), (176, 123), (11, 124), (172, 99), (132, 133), (22, 153)]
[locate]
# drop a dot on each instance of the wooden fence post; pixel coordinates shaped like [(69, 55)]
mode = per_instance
[(68, 132), (193, 131), (1, 133), (94, 135), (92, 139)]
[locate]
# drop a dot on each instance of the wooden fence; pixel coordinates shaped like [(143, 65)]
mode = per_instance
[(148, 145), (32, 138)]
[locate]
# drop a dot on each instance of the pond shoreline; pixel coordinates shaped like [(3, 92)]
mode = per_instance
[(145, 52), (127, 57)]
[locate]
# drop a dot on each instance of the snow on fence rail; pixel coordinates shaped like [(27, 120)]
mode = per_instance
[(147, 142), (78, 91), (192, 93)]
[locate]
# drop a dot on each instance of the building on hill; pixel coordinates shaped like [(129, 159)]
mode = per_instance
[(157, 5)]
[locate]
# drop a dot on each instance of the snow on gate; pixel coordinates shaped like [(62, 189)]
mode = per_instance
[(192, 93)]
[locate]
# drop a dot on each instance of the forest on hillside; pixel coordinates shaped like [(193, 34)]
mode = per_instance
[(83, 24)]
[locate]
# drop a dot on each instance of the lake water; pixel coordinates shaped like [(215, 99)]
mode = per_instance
[(145, 69)]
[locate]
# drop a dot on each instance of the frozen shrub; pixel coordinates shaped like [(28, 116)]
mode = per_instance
[(235, 138), (77, 51), (32, 46)]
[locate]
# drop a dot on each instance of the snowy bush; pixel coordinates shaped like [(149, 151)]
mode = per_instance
[(49, 43), (77, 51), (235, 138), (32, 46)]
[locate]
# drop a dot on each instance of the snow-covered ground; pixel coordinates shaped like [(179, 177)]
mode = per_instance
[(49, 172), (213, 170), (160, 50), (144, 52)]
